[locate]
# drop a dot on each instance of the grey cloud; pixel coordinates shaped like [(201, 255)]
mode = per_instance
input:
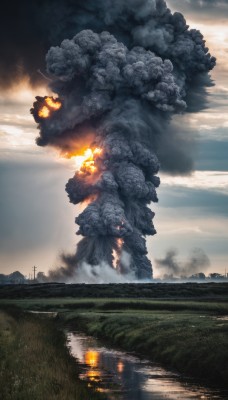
[(202, 9), (204, 202), (211, 155), (21, 202)]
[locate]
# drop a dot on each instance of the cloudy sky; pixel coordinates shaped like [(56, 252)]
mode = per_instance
[(36, 218)]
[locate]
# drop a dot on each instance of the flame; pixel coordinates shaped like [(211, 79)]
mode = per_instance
[(85, 163), (117, 253), (51, 105), (97, 151), (87, 201), (44, 112), (119, 243)]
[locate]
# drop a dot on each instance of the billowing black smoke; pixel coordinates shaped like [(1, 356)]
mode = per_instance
[(120, 89), (198, 262)]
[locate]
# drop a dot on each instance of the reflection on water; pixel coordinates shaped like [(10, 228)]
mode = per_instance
[(91, 358), (120, 367), (223, 318), (50, 314), (126, 377)]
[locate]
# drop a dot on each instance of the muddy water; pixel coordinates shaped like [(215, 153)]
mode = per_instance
[(123, 376)]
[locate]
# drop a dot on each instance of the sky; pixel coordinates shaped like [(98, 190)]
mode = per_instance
[(36, 218)]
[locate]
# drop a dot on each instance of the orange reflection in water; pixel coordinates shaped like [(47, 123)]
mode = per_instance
[(94, 376), (92, 358), (120, 367), (101, 390)]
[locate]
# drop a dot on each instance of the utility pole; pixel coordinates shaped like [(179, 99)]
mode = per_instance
[(34, 272)]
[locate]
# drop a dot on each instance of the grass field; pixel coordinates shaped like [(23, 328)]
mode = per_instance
[(125, 290), (67, 304), (188, 335), (191, 337), (34, 361), (187, 341)]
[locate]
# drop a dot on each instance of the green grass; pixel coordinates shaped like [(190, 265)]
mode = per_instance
[(34, 361), (185, 335), (65, 304), (193, 344)]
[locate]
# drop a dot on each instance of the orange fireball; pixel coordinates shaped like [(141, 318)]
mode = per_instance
[(51, 105), (44, 112), (86, 163)]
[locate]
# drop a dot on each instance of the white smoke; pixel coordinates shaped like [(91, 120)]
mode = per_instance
[(101, 273)]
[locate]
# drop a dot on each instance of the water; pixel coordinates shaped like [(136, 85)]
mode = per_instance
[(50, 314), (125, 377)]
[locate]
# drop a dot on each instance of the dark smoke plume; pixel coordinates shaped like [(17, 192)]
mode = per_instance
[(121, 87), (198, 262), (29, 27)]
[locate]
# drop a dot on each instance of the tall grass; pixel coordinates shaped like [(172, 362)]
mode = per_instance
[(64, 304), (35, 363), (186, 335)]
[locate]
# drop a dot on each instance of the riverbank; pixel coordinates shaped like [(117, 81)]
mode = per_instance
[(190, 336), (188, 342), (35, 362), (124, 375)]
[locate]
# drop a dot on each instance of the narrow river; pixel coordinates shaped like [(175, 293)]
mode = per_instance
[(125, 377)]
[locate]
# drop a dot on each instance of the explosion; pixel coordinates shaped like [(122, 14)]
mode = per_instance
[(45, 106), (86, 163), (44, 112), (125, 87), (53, 103)]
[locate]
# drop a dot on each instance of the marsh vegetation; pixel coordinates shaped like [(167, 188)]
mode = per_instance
[(188, 335), (35, 362)]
